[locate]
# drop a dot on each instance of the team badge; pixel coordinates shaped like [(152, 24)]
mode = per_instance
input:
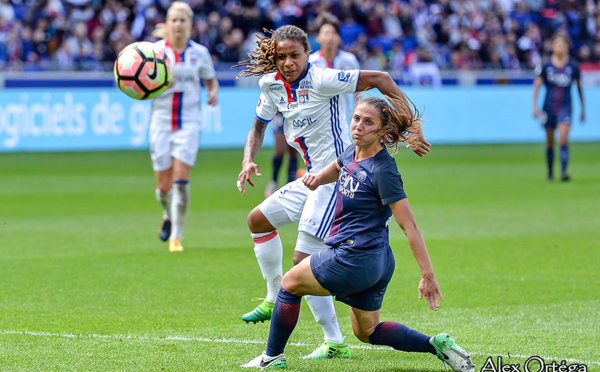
[(362, 176), (303, 96)]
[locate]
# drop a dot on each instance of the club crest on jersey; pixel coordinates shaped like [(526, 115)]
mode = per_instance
[(303, 96), (362, 175)]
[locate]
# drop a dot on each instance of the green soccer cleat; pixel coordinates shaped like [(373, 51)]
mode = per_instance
[(330, 350), (450, 353), (263, 361), (261, 313)]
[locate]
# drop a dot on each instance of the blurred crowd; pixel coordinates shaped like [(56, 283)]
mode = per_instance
[(392, 35)]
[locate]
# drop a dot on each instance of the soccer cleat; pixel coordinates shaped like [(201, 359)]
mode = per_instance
[(271, 188), (264, 361), (260, 313), (165, 230), (330, 350), (175, 245), (565, 177), (450, 353)]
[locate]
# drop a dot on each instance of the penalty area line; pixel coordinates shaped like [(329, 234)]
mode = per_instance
[(256, 342)]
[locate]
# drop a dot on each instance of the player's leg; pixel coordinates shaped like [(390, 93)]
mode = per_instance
[(184, 150), (162, 164), (314, 226), (563, 132), (550, 152), (279, 209), (297, 282), (293, 163), (163, 196), (180, 203)]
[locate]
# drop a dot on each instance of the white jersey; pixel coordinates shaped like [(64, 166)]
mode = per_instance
[(314, 123), (342, 61), (180, 105)]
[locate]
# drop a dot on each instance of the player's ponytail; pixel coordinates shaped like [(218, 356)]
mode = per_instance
[(262, 59), (398, 116)]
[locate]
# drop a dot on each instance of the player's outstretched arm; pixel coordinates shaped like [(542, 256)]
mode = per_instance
[(328, 175), (428, 286), (254, 141), (386, 85)]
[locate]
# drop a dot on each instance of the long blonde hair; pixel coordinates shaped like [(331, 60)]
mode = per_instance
[(160, 31)]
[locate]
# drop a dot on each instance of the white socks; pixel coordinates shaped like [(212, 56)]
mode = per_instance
[(324, 313), (269, 254), (179, 205), (164, 198)]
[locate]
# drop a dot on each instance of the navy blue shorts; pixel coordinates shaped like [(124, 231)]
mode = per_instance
[(356, 277), (550, 120)]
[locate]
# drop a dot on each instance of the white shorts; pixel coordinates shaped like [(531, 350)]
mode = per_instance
[(294, 202), (166, 144)]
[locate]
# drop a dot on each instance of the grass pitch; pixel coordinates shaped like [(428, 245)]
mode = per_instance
[(87, 285)]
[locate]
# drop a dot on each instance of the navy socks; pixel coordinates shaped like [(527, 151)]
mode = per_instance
[(283, 321), (400, 337)]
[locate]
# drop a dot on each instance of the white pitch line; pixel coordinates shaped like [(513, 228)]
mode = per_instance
[(256, 342)]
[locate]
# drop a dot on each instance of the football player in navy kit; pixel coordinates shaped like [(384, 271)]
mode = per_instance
[(359, 265), (308, 97), (557, 75)]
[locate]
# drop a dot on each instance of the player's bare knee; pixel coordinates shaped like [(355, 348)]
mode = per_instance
[(256, 222), (362, 334), (291, 283)]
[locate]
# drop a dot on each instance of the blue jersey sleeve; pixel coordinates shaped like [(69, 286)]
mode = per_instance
[(388, 181), (344, 155)]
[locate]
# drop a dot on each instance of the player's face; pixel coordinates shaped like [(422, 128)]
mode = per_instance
[(365, 126), (560, 46), (328, 38), (178, 24), (291, 59)]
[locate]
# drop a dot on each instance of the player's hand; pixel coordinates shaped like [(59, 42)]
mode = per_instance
[(311, 181), (429, 288), (536, 112), (417, 143), (246, 175), (212, 99)]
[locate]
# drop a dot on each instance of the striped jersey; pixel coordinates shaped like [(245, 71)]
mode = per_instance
[(558, 82), (180, 104), (314, 123)]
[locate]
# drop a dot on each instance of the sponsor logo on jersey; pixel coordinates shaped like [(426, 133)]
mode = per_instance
[(303, 96), (275, 87), (348, 185), (282, 100), (301, 123), (344, 76), (259, 102), (292, 105), (305, 84)]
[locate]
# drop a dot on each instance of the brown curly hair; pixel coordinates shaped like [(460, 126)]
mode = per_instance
[(262, 60)]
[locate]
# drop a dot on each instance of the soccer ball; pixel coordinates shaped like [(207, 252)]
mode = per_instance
[(142, 71)]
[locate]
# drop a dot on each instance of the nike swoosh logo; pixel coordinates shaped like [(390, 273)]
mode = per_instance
[(152, 75)]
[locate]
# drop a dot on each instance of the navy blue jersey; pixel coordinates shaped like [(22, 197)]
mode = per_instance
[(364, 191), (558, 85)]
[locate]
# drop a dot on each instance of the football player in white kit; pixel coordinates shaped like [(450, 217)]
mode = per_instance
[(175, 125), (308, 97)]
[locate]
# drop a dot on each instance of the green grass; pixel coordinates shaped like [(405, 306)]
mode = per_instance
[(86, 285)]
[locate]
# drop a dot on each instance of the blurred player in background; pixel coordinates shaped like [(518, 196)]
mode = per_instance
[(360, 264), (281, 148), (308, 97), (330, 55), (557, 75), (175, 125)]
